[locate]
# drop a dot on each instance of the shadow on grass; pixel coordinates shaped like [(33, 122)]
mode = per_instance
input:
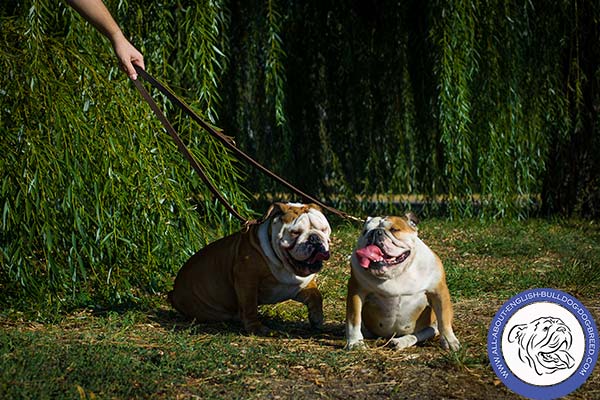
[(173, 321)]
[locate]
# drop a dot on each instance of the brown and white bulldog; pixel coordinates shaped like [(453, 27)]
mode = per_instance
[(268, 263), (395, 282)]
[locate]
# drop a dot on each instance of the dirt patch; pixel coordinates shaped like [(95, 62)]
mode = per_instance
[(422, 372)]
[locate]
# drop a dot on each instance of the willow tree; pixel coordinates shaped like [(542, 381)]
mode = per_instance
[(488, 107), (98, 206), (474, 107)]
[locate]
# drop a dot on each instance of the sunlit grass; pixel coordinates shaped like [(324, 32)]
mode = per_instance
[(148, 350)]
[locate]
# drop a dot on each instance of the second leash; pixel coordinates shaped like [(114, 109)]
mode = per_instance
[(225, 140)]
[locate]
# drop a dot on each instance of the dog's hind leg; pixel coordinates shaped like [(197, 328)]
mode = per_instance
[(405, 341)]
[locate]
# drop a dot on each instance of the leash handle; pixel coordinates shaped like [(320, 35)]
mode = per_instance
[(225, 140)]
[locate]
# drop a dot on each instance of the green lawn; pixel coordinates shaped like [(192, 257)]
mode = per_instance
[(150, 352)]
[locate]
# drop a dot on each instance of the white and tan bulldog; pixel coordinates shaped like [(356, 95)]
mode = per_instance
[(395, 282), (268, 263)]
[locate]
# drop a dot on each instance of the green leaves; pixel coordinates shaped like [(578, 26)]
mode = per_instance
[(453, 33), (200, 50), (97, 204), (476, 108), (274, 66)]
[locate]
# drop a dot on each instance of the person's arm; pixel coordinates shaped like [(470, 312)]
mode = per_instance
[(98, 15)]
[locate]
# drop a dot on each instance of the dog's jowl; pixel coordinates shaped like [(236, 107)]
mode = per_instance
[(270, 262), (397, 288)]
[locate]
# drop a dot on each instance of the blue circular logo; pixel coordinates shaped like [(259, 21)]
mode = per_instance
[(542, 344)]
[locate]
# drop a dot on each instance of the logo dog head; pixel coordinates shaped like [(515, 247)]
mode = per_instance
[(544, 344)]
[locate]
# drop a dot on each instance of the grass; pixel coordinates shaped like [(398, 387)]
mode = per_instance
[(153, 353)]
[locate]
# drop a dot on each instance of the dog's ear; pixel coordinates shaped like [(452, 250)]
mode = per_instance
[(412, 219), (314, 206), (516, 333), (287, 211), (275, 209)]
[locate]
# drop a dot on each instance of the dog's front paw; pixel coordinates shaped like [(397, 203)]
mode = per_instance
[(258, 329), (403, 342), (450, 342), (359, 345), (316, 321)]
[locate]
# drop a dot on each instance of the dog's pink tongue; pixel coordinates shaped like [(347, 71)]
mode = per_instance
[(368, 254)]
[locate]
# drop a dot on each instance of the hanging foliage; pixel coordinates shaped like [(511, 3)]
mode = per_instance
[(470, 107), (274, 65), (453, 32), (97, 204)]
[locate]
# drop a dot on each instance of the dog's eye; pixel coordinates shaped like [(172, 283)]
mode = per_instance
[(295, 233), (394, 230)]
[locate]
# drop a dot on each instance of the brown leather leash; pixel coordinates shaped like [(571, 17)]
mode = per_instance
[(225, 140)]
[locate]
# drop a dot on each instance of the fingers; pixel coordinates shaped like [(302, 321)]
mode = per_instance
[(127, 64), (137, 59), (129, 70), (129, 55)]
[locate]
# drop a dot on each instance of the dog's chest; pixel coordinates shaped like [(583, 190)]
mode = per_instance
[(278, 292), (396, 315)]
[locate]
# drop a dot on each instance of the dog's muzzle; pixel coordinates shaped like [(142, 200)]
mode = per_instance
[(314, 262), (374, 257)]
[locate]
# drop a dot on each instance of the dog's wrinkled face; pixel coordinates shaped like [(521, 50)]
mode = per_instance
[(386, 243), (544, 344), (300, 237)]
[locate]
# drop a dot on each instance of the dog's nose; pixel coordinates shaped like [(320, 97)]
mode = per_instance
[(314, 239), (377, 233)]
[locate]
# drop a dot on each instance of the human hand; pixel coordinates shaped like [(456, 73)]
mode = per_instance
[(98, 15), (127, 55)]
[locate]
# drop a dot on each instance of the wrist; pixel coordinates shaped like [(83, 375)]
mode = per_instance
[(116, 37)]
